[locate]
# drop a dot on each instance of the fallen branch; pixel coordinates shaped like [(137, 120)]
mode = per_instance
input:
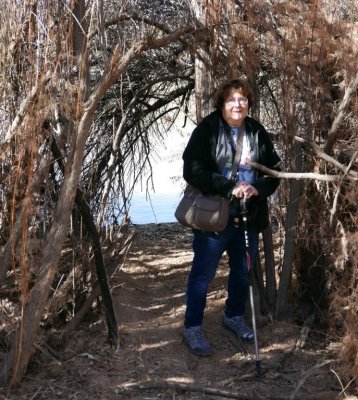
[(190, 387)]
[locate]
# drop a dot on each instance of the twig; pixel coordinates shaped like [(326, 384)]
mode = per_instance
[(35, 395), (55, 354), (344, 243), (301, 341), (344, 388), (306, 375)]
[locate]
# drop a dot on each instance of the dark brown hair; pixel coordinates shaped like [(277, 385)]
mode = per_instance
[(224, 89)]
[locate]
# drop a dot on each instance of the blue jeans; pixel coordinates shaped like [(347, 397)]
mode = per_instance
[(208, 249)]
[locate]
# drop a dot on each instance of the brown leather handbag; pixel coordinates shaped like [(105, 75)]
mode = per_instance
[(207, 213)]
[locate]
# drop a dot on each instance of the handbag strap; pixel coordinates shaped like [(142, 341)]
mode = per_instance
[(237, 158)]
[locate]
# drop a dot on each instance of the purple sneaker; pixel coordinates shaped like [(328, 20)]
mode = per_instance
[(238, 325), (194, 338)]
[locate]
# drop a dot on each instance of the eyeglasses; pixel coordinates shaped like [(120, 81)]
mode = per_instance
[(241, 100)]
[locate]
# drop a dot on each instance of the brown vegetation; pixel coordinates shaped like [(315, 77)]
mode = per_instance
[(87, 88)]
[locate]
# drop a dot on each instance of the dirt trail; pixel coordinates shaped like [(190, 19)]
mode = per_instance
[(149, 302), (150, 306)]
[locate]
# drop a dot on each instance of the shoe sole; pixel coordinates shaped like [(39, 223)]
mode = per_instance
[(246, 340)]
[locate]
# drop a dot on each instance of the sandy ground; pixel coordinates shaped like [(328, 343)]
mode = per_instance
[(152, 361)]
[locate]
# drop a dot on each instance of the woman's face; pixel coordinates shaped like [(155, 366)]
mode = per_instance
[(235, 107)]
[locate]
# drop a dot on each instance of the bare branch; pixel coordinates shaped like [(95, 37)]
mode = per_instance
[(302, 175), (117, 68), (325, 156)]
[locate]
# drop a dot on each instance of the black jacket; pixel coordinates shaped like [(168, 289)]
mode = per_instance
[(201, 169)]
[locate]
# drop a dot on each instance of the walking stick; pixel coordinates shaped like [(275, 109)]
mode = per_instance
[(245, 212)]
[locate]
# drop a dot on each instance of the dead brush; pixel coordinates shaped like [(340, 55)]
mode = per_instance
[(344, 304)]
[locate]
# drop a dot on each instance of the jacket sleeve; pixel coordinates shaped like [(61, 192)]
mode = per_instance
[(268, 157), (200, 168)]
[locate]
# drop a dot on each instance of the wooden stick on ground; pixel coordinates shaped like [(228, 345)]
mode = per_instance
[(189, 387)]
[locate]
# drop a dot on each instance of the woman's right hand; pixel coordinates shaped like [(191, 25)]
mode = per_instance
[(238, 191)]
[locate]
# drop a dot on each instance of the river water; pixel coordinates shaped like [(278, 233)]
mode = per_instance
[(159, 208)]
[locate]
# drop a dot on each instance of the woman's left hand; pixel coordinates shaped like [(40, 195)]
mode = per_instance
[(249, 191), (245, 190)]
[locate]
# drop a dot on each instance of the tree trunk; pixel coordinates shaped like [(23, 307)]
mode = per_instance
[(203, 85), (203, 79), (100, 269), (290, 236)]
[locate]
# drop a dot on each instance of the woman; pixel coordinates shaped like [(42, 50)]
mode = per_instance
[(208, 160)]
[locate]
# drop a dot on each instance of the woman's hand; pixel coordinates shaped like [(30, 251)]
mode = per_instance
[(244, 190)]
